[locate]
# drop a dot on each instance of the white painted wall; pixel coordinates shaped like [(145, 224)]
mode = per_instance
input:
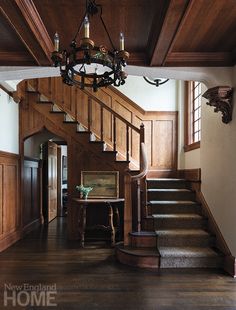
[(218, 154), (9, 124), (150, 97), (216, 158)]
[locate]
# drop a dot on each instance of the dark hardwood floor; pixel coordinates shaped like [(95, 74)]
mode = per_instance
[(91, 278)]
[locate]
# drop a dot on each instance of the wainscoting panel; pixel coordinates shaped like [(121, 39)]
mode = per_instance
[(10, 214), (31, 198)]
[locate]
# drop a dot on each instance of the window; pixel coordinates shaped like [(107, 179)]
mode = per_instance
[(193, 115)]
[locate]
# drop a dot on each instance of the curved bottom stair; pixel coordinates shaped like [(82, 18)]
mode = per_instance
[(144, 257)]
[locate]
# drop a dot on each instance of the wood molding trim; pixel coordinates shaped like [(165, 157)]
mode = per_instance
[(193, 146), (19, 58), (192, 175), (9, 155), (31, 226), (229, 261), (198, 59), (221, 97), (9, 239), (230, 265), (6, 91), (212, 225)]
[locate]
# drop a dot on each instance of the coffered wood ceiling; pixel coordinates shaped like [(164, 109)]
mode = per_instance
[(157, 32)]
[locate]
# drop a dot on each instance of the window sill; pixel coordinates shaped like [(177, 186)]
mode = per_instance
[(191, 147)]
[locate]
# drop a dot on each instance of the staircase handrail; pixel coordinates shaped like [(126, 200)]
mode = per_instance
[(111, 111)]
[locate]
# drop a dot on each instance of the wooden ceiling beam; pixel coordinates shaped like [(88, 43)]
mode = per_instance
[(24, 18), (173, 17)]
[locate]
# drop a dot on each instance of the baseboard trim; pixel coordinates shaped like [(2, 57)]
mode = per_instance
[(212, 225), (229, 260), (31, 226), (193, 175), (230, 265), (9, 239)]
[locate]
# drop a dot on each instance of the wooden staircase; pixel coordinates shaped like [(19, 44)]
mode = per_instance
[(175, 231), (78, 131)]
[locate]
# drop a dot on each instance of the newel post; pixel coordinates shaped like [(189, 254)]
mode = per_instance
[(127, 208)]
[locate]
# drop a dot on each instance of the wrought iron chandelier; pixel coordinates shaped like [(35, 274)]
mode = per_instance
[(156, 82), (88, 65)]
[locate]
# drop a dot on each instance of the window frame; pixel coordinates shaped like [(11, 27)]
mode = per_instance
[(189, 121)]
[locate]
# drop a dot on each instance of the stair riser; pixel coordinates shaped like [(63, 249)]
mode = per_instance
[(171, 195), (168, 209), (179, 223), (143, 242), (167, 184), (58, 117), (175, 241), (192, 262)]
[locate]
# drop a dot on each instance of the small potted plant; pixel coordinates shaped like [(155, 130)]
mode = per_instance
[(83, 190)]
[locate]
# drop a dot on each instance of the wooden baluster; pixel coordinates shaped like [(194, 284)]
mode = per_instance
[(138, 206), (76, 111), (127, 142), (101, 123), (89, 113), (114, 133), (142, 139)]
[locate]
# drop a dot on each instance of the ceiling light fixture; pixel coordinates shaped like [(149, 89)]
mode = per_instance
[(88, 65), (156, 82)]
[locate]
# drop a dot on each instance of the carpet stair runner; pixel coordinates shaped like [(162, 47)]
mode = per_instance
[(176, 235)]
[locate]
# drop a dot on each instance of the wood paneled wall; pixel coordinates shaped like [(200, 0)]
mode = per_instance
[(160, 127), (31, 208), (10, 215)]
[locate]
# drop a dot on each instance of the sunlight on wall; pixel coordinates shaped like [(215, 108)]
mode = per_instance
[(9, 124), (150, 97)]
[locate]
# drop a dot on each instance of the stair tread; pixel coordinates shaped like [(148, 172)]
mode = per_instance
[(70, 122), (165, 179), (97, 142), (183, 232), (178, 215), (143, 233), (169, 190), (58, 112), (141, 251), (84, 132), (173, 202), (45, 102), (187, 252)]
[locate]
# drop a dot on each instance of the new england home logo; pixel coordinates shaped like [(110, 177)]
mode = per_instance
[(29, 295)]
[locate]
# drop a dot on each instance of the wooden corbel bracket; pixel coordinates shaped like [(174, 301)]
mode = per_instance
[(221, 97)]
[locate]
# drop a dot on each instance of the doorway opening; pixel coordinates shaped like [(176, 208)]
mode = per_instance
[(46, 186)]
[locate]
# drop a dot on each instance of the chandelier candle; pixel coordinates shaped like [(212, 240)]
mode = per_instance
[(56, 42), (86, 27), (122, 42)]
